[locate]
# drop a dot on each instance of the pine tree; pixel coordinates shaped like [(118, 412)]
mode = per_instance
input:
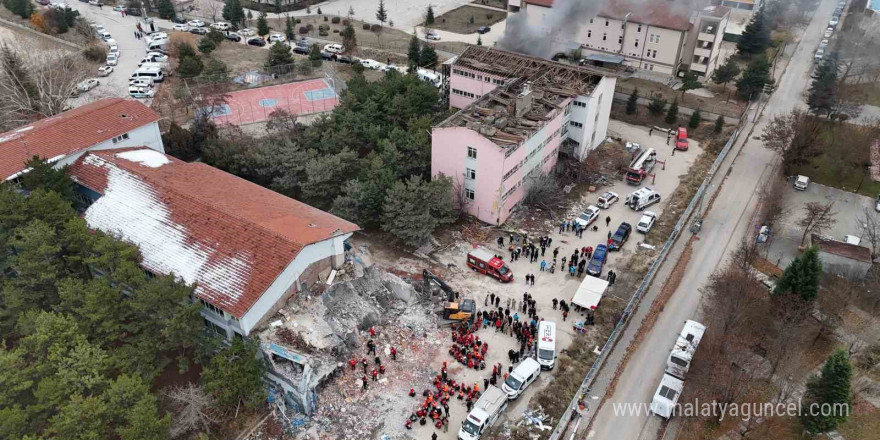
[(315, 55), (719, 124), (657, 105), (632, 103), (349, 38), (727, 72), (694, 121), (755, 77), (288, 28), (382, 13), (831, 392), (22, 8), (262, 25), (672, 113), (350, 12), (279, 55), (428, 57), (802, 276), (429, 16), (233, 12), (756, 36), (166, 9), (414, 52), (479, 40), (206, 45), (823, 90), (689, 82)]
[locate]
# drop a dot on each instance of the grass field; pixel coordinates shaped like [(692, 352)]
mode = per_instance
[(843, 159), (467, 19)]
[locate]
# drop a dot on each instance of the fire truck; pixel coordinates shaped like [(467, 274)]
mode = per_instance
[(641, 166)]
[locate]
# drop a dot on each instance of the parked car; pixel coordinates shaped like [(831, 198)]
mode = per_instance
[(588, 216), (823, 44), (105, 70), (95, 3), (141, 92), (371, 64), (140, 82), (607, 199), (196, 23), (483, 29), (829, 32), (600, 255), (118, 8), (833, 22), (155, 57), (347, 59), (801, 183), (256, 41), (302, 47), (246, 32), (221, 26), (820, 53), (277, 38), (646, 222), (112, 59), (180, 27), (198, 31), (431, 35), (178, 20), (113, 49), (134, 12), (232, 36), (87, 85), (620, 237)]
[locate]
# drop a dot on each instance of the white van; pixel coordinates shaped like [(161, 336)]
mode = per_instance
[(642, 198), (153, 73), (161, 44), (666, 396), (547, 345), (679, 361), (485, 412), (521, 377), (334, 48), (428, 76), (104, 35), (155, 65)]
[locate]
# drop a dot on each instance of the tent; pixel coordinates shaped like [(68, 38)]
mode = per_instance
[(590, 292)]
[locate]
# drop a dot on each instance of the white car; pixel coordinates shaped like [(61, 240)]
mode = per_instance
[(141, 92), (646, 222), (220, 26), (607, 199), (588, 216), (156, 57), (94, 2), (180, 27), (110, 42), (432, 36), (196, 23), (87, 85), (277, 38), (112, 59), (823, 44), (114, 49), (801, 183), (247, 32), (97, 27), (833, 21), (829, 32), (105, 70), (371, 64), (140, 82)]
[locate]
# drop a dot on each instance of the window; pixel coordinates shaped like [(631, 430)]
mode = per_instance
[(472, 153), (654, 38), (580, 104), (469, 193), (637, 42), (120, 138), (564, 130), (639, 29), (604, 36), (479, 77), (652, 54), (568, 109), (576, 124), (470, 174), (214, 328), (463, 93), (620, 39), (216, 310), (589, 34), (488, 79)]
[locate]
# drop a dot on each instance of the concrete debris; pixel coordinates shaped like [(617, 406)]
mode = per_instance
[(536, 419)]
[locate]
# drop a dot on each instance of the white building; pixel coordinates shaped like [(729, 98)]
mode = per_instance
[(63, 138), (664, 36), (247, 249)]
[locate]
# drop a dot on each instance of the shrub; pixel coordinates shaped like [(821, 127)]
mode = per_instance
[(323, 27), (326, 18), (335, 31), (375, 28), (365, 26), (489, 16), (303, 30), (335, 20), (346, 22), (298, 21), (96, 53), (207, 45), (310, 27), (319, 12), (323, 33)]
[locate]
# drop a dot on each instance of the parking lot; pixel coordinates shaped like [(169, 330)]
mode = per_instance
[(783, 246), (560, 285)]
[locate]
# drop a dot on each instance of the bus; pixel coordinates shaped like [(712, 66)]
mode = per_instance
[(640, 166)]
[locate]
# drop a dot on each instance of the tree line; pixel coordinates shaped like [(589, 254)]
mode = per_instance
[(86, 330)]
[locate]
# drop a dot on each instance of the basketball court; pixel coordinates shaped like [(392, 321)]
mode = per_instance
[(298, 98)]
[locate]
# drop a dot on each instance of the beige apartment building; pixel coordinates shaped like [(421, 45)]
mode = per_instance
[(668, 37)]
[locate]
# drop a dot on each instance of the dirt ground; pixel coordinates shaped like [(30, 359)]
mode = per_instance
[(500, 4), (649, 88), (467, 19)]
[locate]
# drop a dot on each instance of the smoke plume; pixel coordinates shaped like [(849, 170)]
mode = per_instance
[(556, 33)]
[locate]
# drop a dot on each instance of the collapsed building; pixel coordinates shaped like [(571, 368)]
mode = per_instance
[(517, 113)]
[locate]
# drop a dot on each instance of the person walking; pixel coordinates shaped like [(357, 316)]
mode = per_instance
[(533, 279), (607, 221), (365, 383), (393, 354)]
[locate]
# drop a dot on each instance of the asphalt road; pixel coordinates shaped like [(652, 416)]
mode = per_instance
[(729, 219)]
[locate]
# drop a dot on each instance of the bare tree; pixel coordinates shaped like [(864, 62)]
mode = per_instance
[(543, 192), (793, 136), (869, 228), (36, 84), (817, 218), (191, 409)]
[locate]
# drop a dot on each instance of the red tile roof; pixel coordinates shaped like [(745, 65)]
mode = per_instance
[(230, 237), (653, 12), (71, 132)]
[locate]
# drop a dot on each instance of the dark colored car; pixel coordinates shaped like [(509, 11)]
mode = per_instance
[(302, 47), (178, 20), (620, 237), (198, 31), (483, 29), (594, 268), (134, 12), (256, 41), (233, 37)]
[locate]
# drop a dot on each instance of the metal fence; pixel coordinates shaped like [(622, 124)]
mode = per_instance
[(562, 425)]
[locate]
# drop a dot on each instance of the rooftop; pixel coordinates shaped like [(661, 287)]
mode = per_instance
[(72, 131), (511, 113), (230, 237), (661, 13), (842, 249)]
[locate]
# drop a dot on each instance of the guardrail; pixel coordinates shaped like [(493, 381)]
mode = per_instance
[(646, 281)]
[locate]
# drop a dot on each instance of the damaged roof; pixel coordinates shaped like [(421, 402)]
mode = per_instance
[(72, 131), (230, 237), (660, 13), (842, 249)]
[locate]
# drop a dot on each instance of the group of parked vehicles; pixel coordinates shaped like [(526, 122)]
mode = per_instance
[(829, 31), (677, 365)]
